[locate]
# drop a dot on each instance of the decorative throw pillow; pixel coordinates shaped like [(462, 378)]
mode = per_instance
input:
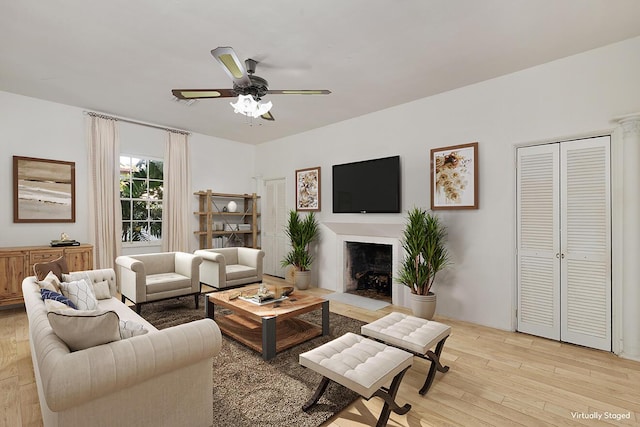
[(47, 294), (58, 266), (100, 289), (51, 305), (80, 293), (81, 329), (129, 328), (51, 282)]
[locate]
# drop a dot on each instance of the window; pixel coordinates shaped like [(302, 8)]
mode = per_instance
[(141, 185)]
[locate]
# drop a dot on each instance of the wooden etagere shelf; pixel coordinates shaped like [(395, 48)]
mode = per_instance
[(220, 228)]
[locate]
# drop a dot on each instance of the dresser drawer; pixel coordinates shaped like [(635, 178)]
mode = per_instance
[(44, 255)]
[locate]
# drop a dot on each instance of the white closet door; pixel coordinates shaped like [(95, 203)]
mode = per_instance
[(274, 218), (586, 243), (538, 241)]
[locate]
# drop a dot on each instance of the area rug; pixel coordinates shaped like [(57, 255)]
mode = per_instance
[(355, 300), (251, 392)]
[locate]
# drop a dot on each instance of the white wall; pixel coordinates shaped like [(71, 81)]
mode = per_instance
[(574, 96), (35, 128)]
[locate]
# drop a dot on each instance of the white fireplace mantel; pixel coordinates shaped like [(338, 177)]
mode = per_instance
[(385, 234)]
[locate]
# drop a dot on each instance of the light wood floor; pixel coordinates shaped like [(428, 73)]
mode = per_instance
[(497, 378)]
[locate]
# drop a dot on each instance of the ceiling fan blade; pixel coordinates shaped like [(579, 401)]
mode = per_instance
[(268, 116), (227, 57), (300, 92), (203, 93)]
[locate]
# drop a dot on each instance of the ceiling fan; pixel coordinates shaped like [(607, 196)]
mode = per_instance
[(248, 87)]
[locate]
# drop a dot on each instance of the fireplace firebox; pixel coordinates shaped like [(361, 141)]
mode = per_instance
[(368, 268)]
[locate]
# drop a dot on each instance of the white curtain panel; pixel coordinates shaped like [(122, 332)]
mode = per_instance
[(104, 190), (176, 204)]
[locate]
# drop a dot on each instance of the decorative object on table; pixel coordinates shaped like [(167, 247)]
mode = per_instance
[(423, 240), (286, 291), (65, 240), (454, 177), (232, 206), (301, 233), (43, 190), (308, 189)]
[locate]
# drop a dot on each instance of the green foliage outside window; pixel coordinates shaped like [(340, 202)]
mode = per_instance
[(141, 187)]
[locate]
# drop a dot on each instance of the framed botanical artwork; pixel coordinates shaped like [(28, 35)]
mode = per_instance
[(454, 177), (308, 189), (43, 190)]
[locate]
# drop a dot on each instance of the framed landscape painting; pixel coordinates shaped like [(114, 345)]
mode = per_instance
[(308, 189), (43, 190), (454, 177)]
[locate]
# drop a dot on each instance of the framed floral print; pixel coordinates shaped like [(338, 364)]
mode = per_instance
[(308, 189), (454, 177)]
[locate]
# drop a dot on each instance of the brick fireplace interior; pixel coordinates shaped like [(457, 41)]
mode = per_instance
[(368, 271)]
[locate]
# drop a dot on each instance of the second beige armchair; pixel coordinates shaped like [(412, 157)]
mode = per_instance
[(225, 267), (152, 277)]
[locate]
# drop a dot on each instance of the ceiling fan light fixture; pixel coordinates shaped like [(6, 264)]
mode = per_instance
[(248, 106)]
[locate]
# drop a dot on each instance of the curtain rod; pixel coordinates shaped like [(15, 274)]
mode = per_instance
[(135, 122)]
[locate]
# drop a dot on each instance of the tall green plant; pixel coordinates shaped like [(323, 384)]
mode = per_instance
[(423, 241), (301, 233)]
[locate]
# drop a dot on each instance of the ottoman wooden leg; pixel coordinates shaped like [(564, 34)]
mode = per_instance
[(316, 396), (389, 397), (435, 366)]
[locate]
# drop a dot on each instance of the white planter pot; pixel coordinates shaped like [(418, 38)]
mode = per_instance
[(302, 279), (423, 306)]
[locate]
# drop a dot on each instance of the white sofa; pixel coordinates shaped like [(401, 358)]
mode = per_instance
[(225, 267), (162, 378)]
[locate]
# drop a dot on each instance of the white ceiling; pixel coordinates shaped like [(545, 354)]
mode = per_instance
[(123, 57)]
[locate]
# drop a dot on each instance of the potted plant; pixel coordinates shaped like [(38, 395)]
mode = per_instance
[(301, 233), (423, 241)]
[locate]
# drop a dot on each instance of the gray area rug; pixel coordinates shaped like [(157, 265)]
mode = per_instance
[(247, 391)]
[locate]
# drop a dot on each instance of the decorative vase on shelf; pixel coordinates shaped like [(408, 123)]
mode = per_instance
[(232, 206)]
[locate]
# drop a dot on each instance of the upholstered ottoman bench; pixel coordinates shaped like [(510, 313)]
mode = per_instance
[(412, 334), (362, 365)]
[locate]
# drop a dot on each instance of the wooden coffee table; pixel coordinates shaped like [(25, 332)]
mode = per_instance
[(268, 328)]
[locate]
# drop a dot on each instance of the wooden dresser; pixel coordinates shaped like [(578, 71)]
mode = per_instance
[(17, 263)]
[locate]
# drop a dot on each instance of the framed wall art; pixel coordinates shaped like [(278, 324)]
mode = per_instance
[(308, 189), (43, 190), (454, 177)]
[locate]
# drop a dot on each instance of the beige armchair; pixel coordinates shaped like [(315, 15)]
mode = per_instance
[(157, 276), (225, 267)]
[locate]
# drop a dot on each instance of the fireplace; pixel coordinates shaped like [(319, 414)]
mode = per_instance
[(368, 268), (386, 235)]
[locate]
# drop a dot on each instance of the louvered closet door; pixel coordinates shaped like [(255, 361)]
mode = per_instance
[(586, 243), (274, 217), (538, 207)]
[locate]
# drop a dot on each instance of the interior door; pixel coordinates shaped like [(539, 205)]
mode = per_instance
[(564, 241), (274, 217), (586, 243), (538, 208)]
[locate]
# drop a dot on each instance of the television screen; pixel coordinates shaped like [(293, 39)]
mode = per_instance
[(371, 186)]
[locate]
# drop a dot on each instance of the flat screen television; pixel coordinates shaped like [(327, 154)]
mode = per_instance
[(370, 186)]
